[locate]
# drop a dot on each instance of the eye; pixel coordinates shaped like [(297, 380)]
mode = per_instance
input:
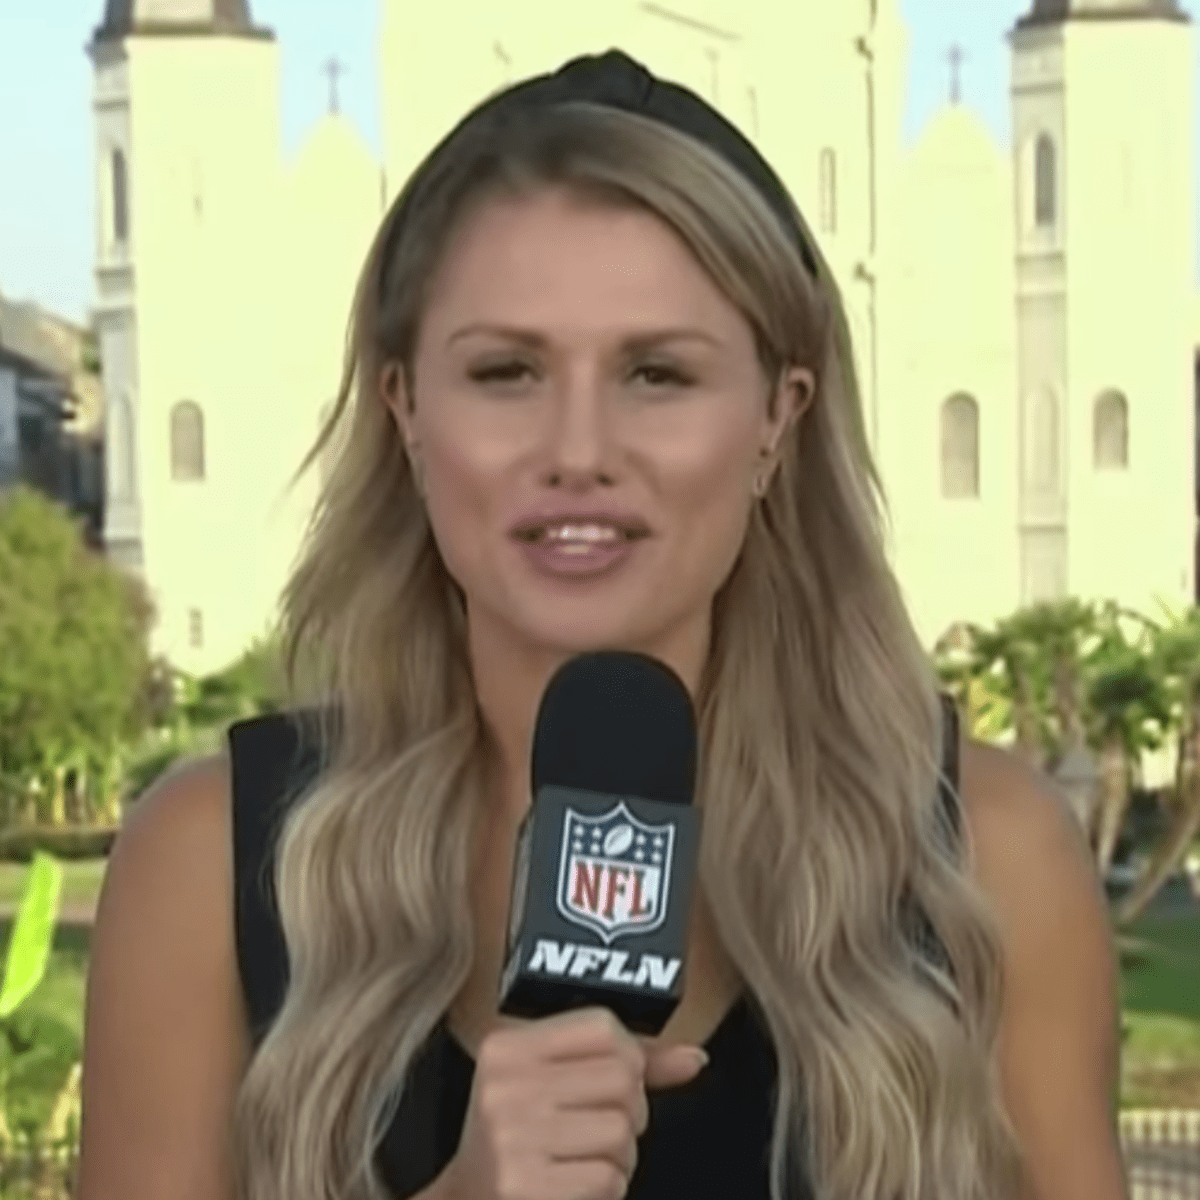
[(661, 375), (657, 375), (506, 372)]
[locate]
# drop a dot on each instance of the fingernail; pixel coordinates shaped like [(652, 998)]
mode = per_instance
[(701, 1057)]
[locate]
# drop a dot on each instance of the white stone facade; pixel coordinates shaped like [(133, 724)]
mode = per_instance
[(232, 283)]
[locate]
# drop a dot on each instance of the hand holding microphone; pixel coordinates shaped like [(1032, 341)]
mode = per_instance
[(597, 936), (557, 1107)]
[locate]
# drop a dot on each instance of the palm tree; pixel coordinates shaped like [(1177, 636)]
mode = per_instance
[(1175, 653), (977, 689), (1071, 677), (1059, 635), (1128, 712), (1013, 661)]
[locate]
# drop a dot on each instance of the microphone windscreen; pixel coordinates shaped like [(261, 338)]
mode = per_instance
[(617, 723)]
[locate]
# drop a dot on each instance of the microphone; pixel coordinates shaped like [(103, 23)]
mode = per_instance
[(607, 854)]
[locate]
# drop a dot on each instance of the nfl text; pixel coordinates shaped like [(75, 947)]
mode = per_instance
[(565, 958)]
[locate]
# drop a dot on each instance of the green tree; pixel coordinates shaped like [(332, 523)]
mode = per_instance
[(1072, 675), (1002, 675), (190, 714), (1055, 637), (987, 712), (1175, 655), (73, 653), (1127, 712), (248, 687)]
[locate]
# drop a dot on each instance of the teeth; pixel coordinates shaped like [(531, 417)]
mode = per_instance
[(583, 533), (579, 536)]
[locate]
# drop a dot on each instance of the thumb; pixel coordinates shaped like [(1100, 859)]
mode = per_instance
[(670, 1066)]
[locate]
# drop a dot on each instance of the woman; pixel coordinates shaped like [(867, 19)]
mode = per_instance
[(600, 394)]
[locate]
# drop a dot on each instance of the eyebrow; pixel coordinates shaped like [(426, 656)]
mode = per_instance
[(538, 341)]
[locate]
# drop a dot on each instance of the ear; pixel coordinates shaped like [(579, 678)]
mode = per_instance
[(394, 392), (793, 396)]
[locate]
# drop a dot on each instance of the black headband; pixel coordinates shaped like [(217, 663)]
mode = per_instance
[(616, 81)]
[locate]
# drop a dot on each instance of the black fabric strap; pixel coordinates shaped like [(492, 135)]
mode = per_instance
[(271, 764), (948, 786), (916, 922)]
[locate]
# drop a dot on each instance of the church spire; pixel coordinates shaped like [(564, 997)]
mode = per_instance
[(1054, 12), (956, 56), (334, 68), (228, 17)]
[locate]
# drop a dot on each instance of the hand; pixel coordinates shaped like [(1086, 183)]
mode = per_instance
[(557, 1106)]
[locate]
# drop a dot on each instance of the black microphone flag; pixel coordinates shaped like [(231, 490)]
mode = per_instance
[(606, 857)]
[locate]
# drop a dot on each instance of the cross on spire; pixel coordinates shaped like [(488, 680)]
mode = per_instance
[(957, 56), (334, 68)]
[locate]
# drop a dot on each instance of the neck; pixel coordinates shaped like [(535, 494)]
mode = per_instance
[(510, 678)]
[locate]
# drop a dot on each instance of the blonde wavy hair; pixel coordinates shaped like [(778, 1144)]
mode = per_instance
[(819, 721)]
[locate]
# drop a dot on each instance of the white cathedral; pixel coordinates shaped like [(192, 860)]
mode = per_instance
[(1026, 321)]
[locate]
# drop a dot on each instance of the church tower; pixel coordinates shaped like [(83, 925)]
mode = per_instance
[(187, 156), (1103, 95)]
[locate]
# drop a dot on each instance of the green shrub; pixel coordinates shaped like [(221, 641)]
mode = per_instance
[(73, 650), (72, 843)]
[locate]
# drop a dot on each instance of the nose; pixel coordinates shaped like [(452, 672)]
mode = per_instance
[(579, 447)]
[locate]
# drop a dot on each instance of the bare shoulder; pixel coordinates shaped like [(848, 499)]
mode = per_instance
[(1022, 829), (1059, 1037), (1030, 856), (187, 806), (165, 1035)]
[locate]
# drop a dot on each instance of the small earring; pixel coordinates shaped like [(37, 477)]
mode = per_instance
[(418, 475), (762, 479)]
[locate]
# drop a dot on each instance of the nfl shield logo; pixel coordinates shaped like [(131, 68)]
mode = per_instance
[(614, 873)]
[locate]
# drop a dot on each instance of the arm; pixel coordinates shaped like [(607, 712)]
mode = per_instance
[(165, 1041), (1059, 1046)]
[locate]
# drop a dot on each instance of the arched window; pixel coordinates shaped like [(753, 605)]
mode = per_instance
[(828, 186), (960, 447), (1111, 431), (1045, 182), (120, 198), (187, 441)]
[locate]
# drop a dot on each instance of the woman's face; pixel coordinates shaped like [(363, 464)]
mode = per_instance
[(588, 417)]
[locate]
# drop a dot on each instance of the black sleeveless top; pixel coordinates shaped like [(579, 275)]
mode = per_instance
[(707, 1140)]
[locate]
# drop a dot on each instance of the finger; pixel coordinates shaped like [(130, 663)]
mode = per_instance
[(584, 1033), (591, 1179), (674, 1065), (595, 1133), (611, 1082)]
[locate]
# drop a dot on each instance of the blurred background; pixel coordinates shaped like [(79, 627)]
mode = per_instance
[(1006, 193)]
